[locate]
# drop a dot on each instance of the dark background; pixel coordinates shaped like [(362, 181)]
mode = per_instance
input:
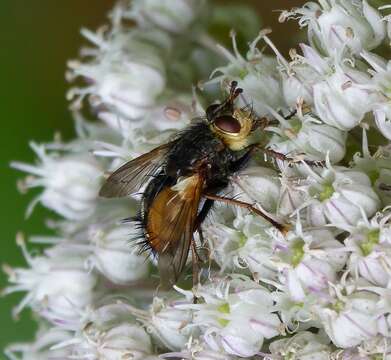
[(36, 40)]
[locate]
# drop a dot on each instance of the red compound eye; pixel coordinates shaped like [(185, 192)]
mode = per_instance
[(228, 124)]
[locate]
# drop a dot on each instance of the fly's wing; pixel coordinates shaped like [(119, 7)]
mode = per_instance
[(131, 176), (170, 225)]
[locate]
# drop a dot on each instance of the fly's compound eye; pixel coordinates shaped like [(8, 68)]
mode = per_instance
[(228, 124)]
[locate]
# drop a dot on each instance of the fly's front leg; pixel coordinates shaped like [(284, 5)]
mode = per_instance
[(291, 115), (385, 187), (283, 157)]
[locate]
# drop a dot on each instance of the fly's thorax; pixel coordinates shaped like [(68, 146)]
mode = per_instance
[(194, 148), (234, 130)]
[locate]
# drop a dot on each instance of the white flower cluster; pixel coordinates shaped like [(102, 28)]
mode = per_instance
[(321, 291)]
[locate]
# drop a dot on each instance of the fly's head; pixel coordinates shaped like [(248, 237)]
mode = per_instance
[(232, 125)]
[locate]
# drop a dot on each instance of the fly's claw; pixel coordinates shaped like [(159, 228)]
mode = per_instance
[(300, 158)]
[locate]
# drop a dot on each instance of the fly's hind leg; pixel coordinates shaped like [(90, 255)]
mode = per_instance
[(283, 228)]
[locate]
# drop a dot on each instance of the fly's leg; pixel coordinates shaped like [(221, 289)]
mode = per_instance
[(283, 228), (200, 218), (262, 123), (196, 269), (283, 157), (201, 234), (291, 115)]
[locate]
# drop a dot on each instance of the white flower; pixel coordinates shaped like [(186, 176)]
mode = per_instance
[(58, 285), (42, 347), (110, 333), (381, 83), (338, 90), (296, 315), (71, 182), (308, 260), (255, 75), (117, 342), (339, 99), (298, 79), (291, 197), (321, 290), (303, 346), (235, 315), (336, 23), (387, 19), (173, 16), (257, 184), (350, 319), (340, 194), (128, 73), (375, 348), (169, 325), (298, 76), (242, 243), (377, 167), (198, 351), (306, 134), (371, 250), (116, 257)]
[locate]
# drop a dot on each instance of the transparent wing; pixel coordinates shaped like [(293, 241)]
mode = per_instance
[(132, 175)]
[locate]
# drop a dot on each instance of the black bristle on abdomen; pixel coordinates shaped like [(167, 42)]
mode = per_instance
[(139, 239)]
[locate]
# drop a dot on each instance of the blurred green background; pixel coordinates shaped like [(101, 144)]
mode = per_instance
[(36, 39)]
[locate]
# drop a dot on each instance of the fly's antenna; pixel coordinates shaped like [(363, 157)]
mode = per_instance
[(227, 106), (234, 92)]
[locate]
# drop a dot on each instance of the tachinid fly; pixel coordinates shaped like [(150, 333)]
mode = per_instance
[(185, 177)]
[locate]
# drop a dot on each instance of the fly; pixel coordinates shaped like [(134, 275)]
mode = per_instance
[(184, 178)]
